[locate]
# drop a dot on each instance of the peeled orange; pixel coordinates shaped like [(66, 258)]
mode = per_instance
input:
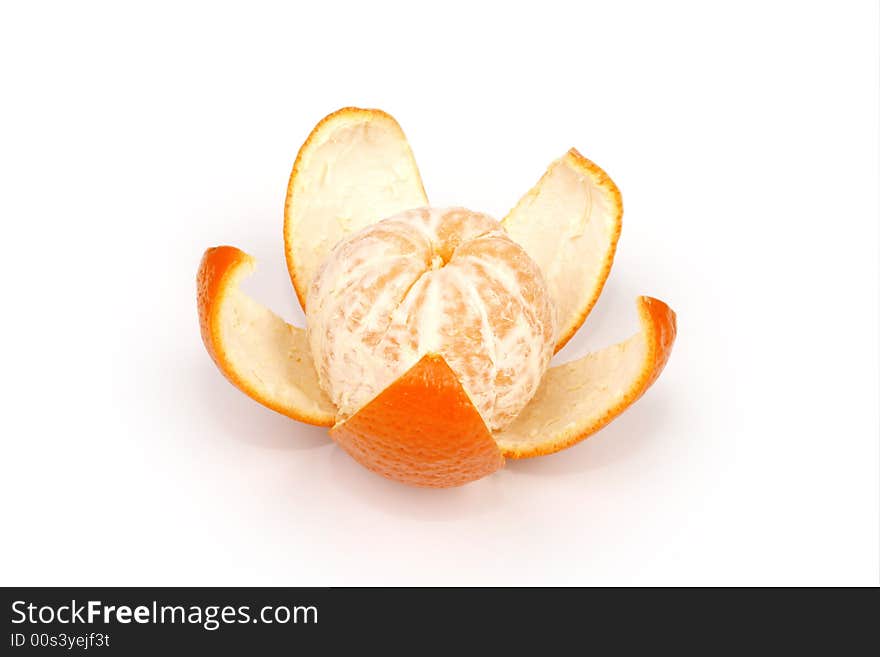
[(446, 282), (430, 331)]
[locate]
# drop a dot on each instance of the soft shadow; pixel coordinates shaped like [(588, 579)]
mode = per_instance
[(623, 439), (612, 320), (270, 283), (232, 413), (225, 407), (426, 504)]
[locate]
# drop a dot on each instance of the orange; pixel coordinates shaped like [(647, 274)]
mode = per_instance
[(430, 331)]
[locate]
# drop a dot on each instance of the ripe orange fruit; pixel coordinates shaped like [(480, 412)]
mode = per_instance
[(430, 331)]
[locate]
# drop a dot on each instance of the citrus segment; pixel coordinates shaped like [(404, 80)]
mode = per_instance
[(422, 430), (577, 399), (354, 169), (256, 350), (569, 223)]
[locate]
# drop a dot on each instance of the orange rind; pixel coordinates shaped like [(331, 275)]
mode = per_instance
[(569, 223), (355, 168), (260, 353), (577, 399), (430, 333), (422, 430)]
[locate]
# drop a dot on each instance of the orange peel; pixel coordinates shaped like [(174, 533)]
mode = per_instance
[(421, 425), (569, 223), (355, 168), (422, 430), (260, 353), (577, 399)]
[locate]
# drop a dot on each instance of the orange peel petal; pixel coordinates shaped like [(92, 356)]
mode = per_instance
[(422, 430), (260, 353), (569, 224), (354, 169), (577, 399)]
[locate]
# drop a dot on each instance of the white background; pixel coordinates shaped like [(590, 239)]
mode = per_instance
[(744, 137)]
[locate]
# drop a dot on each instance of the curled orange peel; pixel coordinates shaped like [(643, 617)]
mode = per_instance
[(355, 168), (260, 353), (577, 399), (569, 223)]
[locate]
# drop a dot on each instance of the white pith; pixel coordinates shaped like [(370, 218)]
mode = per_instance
[(355, 169), (577, 395), (268, 354), (569, 224)]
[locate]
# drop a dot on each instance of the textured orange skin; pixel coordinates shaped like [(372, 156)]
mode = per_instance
[(214, 272), (664, 325), (422, 430), (659, 323), (375, 114), (215, 275)]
